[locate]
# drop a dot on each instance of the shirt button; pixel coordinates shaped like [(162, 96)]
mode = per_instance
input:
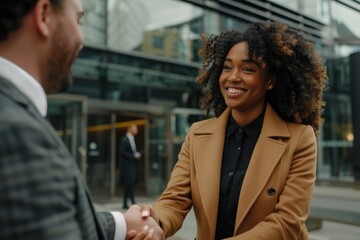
[(239, 148), (271, 191), (231, 174)]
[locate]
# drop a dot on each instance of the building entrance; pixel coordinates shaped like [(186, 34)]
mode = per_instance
[(104, 131), (92, 129)]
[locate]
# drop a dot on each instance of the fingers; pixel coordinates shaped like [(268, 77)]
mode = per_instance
[(150, 233), (145, 234), (147, 211), (130, 234), (137, 217)]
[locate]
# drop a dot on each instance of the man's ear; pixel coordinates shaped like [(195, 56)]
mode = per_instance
[(42, 15)]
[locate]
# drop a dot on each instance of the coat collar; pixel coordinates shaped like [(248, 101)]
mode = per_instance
[(208, 150), (273, 125)]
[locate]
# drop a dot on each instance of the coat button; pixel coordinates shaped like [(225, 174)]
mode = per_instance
[(271, 191)]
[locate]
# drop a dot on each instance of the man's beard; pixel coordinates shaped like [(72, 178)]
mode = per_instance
[(59, 78), (59, 68)]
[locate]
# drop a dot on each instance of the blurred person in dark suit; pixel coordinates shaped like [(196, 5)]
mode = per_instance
[(129, 157), (42, 193)]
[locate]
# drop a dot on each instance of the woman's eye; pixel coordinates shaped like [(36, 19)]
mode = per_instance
[(248, 69), (226, 68)]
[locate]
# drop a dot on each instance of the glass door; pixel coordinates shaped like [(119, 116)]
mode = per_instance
[(104, 131), (67, 114), (100, 133), (181, 121)]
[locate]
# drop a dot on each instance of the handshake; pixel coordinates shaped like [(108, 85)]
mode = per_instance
[(142, 223)]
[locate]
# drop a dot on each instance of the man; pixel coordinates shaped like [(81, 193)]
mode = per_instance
[(42, 194), (129, 157)]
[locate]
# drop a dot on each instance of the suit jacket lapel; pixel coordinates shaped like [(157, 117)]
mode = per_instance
[(9, 90), (266, 155), (208, 149)]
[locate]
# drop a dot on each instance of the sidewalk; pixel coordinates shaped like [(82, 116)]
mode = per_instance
[(339, 198), (322, 195)]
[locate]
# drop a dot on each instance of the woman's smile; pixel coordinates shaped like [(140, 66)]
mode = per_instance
[(235, 92)]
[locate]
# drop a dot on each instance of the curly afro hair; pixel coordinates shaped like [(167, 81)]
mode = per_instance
[(298, 69), (12, 13)]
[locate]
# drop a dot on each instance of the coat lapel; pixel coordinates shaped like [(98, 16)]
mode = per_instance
[(266, 155), (208, 150)]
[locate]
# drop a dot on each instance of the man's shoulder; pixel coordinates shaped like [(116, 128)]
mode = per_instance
[(16, 118), (12, 112), (124, 138)]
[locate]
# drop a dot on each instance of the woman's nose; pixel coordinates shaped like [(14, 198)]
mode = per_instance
[(235, 76)]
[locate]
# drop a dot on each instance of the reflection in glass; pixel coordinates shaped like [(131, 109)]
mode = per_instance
[(292, 4), (158, 155), (318, 9), (99, 153), (181, 121), (93, 25), (345, 31), (172, 31), (344, 19), (138, 25), (337, 141)]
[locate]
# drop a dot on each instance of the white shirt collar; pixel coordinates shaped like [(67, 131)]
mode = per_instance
[(132, 141), (129, 135), (25, 83)]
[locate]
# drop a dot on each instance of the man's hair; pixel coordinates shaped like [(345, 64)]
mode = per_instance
[(12, 13)]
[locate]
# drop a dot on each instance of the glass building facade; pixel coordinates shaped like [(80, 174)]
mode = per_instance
[(140, 63)]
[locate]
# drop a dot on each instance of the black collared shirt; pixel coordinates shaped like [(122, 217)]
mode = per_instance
[(235, 162)]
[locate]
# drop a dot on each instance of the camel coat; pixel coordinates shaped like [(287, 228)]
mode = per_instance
[(277, 189)]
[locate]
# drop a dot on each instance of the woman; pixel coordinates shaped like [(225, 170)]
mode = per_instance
[(264, 85)]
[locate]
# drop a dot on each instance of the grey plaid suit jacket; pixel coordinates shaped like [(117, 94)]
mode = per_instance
[(42, 193)]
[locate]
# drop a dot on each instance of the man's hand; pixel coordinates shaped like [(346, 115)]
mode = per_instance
[(137, 155), (146, 234), (141, 226)]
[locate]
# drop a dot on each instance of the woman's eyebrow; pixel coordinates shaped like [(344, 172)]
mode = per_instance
[(245, 61), (251, 61)]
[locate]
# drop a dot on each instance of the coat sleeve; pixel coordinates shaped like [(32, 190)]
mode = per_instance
[(175, 202), (290, 213)]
